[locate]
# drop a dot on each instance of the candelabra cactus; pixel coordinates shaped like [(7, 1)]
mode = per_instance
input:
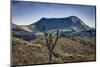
[(51, 41)]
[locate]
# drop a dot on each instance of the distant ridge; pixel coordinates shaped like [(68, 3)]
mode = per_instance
[(68, 23), (69, 26)]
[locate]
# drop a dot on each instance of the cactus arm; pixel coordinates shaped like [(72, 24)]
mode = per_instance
[(55, 40), (51, 40), (46, 34)]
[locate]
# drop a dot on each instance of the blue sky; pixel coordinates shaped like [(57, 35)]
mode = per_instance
[(24, 13)]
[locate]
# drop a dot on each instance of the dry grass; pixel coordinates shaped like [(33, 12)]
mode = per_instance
[(67, 50)]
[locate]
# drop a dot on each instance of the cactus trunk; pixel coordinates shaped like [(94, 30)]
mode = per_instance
[(50, 43)]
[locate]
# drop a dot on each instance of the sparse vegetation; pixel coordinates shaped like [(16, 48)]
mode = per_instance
[(35, 51)]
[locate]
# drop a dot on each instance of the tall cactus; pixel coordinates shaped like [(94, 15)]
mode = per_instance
[(50, 42)]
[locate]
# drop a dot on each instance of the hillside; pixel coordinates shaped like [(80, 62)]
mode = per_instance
[(22, 32), (67, 50)]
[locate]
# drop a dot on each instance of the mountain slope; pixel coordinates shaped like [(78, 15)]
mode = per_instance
[(68, 23), (68, 26), (22, 32)]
